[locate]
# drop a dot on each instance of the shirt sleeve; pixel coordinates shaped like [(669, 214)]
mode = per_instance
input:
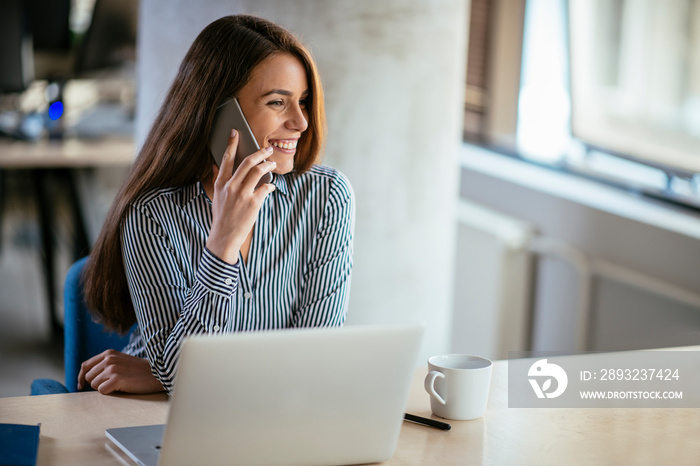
[(327, 277), (167, 308), (135, 347)]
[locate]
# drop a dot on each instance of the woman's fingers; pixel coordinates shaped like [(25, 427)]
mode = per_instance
[(263, 191), (255, 158), (251, 168), (228, 160), (257, 172), (96, 366), (85, 369)]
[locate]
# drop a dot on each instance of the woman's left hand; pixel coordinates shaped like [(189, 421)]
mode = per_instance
[(114, 371)]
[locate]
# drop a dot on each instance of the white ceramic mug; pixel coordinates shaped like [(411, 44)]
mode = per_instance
[(458, 385)]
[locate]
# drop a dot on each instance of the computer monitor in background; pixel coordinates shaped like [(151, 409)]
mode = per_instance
[(53, 39), (36, 41), (16, 55), (110, 41), (57, 41), (50, 24)]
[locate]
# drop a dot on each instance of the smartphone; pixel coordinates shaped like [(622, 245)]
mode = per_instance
[(230, 116)]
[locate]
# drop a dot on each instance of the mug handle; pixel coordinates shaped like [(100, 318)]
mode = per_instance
[(430, 385)]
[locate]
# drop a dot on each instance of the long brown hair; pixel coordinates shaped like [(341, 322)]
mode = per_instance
[(176, 151)]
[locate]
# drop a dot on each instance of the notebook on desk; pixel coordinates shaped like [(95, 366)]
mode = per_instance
[(310, 396)]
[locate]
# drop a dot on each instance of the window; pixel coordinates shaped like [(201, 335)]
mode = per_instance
[(608, 89)]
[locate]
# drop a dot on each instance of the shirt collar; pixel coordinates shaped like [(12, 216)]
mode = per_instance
[(281, 183), (191, 192)]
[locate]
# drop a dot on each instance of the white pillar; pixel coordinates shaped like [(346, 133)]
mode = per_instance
[(393, 72)]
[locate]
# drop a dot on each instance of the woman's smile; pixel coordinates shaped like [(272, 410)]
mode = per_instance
[(286, 146), (274, 103)]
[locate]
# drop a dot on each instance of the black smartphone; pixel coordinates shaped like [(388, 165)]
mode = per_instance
[(230, 116)]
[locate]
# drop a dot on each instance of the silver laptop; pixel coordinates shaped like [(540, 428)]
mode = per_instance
[(310, 396)]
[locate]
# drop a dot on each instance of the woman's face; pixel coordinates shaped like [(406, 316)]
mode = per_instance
[(274, 103)]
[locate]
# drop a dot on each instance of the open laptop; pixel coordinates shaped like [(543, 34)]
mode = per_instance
[(308, 396)]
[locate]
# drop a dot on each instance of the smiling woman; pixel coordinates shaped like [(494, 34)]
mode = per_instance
[(274, 102), (189, 248)]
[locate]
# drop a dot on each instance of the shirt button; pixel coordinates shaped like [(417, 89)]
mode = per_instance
[(247, 295), (228, 281), (216, 328)]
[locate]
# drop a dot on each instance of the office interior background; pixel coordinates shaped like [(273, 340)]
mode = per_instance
[(526, 171)]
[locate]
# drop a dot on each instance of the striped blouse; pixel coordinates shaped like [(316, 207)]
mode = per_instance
[(297, 274)]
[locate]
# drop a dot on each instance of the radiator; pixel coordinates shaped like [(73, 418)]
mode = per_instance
[(496, 285), (494, 281)]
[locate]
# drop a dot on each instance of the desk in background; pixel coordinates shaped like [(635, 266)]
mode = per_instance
[(57, 160), (73, 425)]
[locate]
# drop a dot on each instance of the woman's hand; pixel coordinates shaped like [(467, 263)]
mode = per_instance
[(114, 371), (236, 202)]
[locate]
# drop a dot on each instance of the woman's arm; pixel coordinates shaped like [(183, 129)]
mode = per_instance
[(327, 276), (167, 307)]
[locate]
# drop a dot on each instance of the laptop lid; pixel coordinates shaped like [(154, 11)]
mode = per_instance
[(316, 396), (307, 396)]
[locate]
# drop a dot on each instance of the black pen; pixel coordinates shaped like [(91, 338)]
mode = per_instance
[(427, 422)]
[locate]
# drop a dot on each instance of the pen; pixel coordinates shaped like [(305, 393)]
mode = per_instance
[(427, 422)]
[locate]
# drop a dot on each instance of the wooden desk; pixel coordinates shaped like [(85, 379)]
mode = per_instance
[(510, 436), (68, 153), (57, 160), (73, 425)]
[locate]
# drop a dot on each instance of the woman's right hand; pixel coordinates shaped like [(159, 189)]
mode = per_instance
[(236, 202), (114, 371)]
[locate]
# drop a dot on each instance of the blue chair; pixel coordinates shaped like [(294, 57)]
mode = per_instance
[(83, 337)]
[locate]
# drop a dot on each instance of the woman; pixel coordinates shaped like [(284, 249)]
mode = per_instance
[(189, 248)]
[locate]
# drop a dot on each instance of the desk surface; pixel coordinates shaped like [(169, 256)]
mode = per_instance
[(69, 153), (73, 425)]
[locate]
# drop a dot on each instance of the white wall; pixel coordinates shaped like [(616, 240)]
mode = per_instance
[(393, 72)]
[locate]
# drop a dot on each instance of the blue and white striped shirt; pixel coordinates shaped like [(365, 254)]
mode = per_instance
[(297, 274)]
